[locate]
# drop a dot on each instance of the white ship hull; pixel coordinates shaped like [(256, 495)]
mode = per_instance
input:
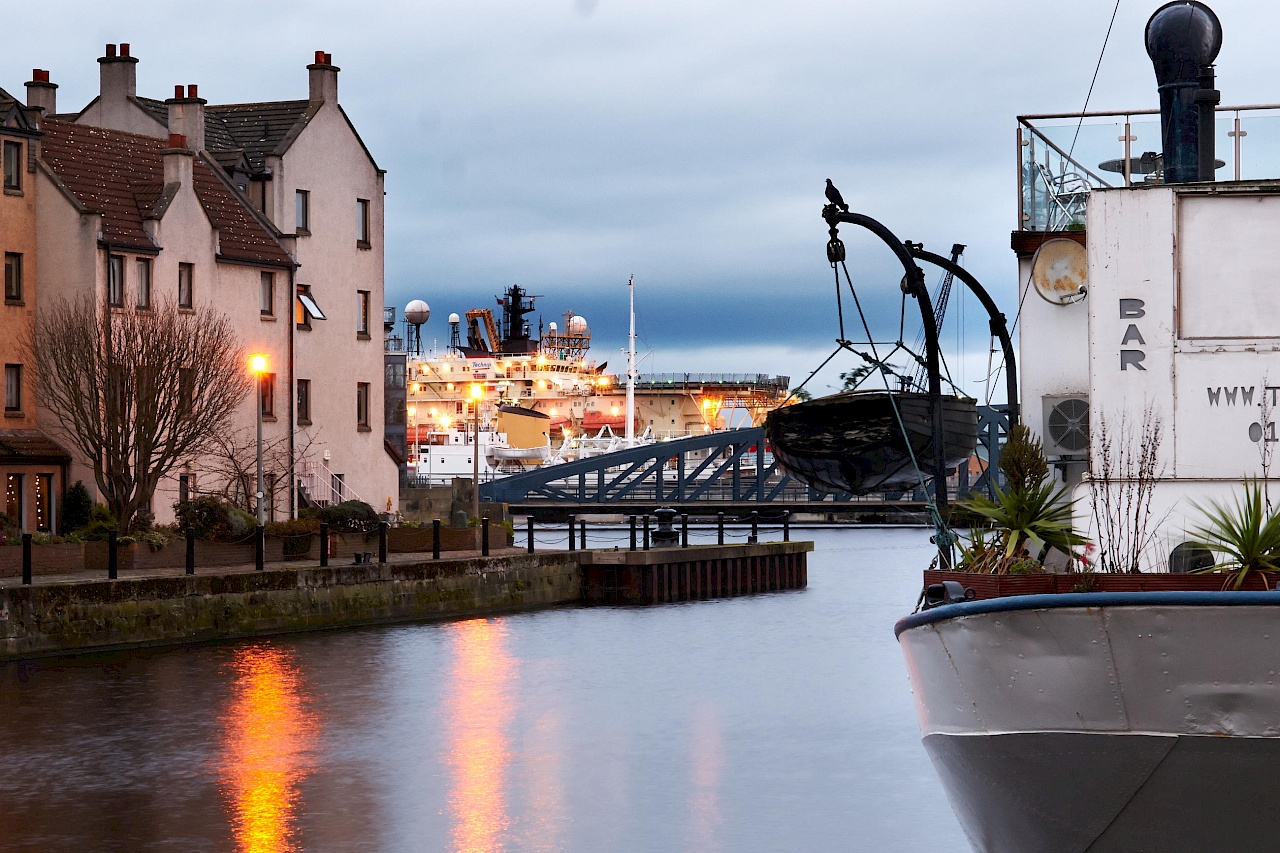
[(1104, 721)]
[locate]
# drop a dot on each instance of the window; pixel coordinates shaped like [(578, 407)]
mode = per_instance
[(362, 223), (267, 294), (302, 212), (185, 295), (13, 166), (13, 498), (362, 313), (12, 277), (304, 401), (115, 281), (267, 394), (44, 517), (13, 388), (307, 309), (144, 284), (362, 405)]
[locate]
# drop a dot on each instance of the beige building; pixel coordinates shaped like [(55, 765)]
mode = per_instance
[(300, 172)]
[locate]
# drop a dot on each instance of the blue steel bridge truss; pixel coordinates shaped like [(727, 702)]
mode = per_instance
[(730, 466)]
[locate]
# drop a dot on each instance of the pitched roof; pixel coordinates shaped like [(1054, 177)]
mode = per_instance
[(121, 176), (260, 130), (30, 445)]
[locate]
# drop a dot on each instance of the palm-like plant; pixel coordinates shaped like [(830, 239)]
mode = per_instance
[(1036, 516), (1245, 534)]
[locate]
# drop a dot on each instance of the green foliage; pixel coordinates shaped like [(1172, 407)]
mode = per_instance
[(1245, 534), (293, 527), (213, 518), (852, 378), (1022, 460), (46, 539), (802, 395), (1037, 517), (345, 517), (76, 507), (101, 523), (156, 539)]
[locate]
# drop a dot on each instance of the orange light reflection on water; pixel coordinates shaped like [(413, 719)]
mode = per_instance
[(268, 736), (479, 710)]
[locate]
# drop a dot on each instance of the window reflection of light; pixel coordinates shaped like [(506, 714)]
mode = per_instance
[(268, 737), (706, 821), (479, 710)]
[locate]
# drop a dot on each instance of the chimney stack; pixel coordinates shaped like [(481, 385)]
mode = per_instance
[(118, 74), (1183, 39), (186, 116), (178, 161), (41, 93), (323, 78)]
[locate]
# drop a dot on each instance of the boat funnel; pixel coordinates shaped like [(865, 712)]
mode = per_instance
[(1183, 38)]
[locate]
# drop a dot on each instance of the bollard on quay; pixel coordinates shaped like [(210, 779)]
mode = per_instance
[(113, 555), (484, 536), (786, 526), (719, 528), (755, 528), (324, 544), (582, 535), (435, 538), (191, 550), (684, 530), (632, 520), (529, 521), (259, 548), (646, 532), (573, 523), (26, 559), (382, 542)]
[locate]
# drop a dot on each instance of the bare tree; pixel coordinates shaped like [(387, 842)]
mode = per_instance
[(137, 392), (1126, 467), (232, 463)]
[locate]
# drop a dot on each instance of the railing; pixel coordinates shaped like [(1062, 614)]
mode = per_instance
[(683, 380), (323, 487), (1058, 167)]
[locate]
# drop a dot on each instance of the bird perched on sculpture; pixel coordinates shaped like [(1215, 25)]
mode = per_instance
[(833, 196)]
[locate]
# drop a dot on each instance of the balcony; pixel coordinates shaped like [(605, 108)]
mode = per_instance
[(1062, 158)]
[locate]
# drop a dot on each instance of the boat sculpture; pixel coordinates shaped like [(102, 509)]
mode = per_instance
[(868, 441)]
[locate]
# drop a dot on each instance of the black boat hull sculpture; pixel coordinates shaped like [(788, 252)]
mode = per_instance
[(852, 441)]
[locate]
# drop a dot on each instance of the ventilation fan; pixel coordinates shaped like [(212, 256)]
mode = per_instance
[(1066, 425)]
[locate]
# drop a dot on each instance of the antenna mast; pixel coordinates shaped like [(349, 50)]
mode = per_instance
[(631, 365)]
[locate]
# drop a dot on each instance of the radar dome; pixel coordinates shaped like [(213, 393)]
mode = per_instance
[(553, 327), (417, 312), (454, 319), (577, 325)]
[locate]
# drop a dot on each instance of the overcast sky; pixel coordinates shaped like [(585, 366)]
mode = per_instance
[(567, 144)]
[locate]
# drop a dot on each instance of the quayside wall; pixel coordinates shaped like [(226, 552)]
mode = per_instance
[(92, 615)]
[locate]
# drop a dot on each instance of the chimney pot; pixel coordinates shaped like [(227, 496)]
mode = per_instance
[(111, 50), (191, 91), (40, 75), (328, 59), (124, 48), (177, 140), (177, 91), (320, 57)]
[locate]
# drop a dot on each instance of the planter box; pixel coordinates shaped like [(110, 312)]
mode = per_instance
[(417, 540), (999, 586), (45, 559)]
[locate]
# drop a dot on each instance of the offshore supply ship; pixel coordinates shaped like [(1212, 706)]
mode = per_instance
[(541, 400)]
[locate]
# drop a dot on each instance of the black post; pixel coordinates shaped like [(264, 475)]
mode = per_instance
[(113, 556), (484, 536), (719, 528), (382, 542), (26, 559), (646, 532), (684, 530), (573, 523), (755, 528), (191, 550), (582, 534), (786, 527), (435, 538), (529, 520), (633, 532), (324, 544), (259, 547)]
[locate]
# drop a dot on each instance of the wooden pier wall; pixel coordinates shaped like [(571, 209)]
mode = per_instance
[(665, 575)]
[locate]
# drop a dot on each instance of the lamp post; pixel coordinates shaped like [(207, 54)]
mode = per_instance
[(476, 391), (258, 364)]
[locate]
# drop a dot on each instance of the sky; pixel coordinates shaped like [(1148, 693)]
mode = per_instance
[(569, 144)]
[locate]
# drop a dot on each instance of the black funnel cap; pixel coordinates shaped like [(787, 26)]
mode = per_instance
[(1182, 37)]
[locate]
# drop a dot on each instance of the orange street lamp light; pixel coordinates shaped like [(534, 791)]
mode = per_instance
[(477, 391), (258, 364)]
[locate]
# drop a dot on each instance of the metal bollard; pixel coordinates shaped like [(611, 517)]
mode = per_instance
[(435, 538), (719, 528), (113, 556), (382, 542), (529, 520), (259, 547), (684, 530), (646, 532), (26, 559), (191, 550), (324, 544), (573, 523), (484, 536), (786, 527), (755, 528), (633, 532), (582, 535)]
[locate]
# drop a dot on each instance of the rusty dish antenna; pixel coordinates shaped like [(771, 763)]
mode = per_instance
[(1059, 271)]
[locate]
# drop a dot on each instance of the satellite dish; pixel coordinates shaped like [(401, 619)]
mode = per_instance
[(1059, 271), (417, 312)]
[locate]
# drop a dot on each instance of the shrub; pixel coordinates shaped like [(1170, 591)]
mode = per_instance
[(76, 507), (213, 518), (101, 523), (346, 517), (1022, 460)]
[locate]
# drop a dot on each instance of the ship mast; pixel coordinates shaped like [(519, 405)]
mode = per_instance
[(631, 366)]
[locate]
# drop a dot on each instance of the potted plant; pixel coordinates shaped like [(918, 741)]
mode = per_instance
[(1245, 536)]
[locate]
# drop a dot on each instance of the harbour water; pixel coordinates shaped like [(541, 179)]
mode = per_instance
[(766, 723)]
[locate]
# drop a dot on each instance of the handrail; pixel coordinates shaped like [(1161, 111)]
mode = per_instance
[(1029, 117)]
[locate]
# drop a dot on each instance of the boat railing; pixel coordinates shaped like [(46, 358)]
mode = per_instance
[(682, 381), (1062, 157)]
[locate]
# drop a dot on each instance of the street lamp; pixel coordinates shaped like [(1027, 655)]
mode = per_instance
[(477, 391), (258, 365)]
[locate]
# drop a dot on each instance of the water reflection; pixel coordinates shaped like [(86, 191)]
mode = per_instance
[(267, 749), (705, 818), (479, 710)]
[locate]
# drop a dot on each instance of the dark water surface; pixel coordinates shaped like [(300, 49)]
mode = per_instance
[(779, 722)]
